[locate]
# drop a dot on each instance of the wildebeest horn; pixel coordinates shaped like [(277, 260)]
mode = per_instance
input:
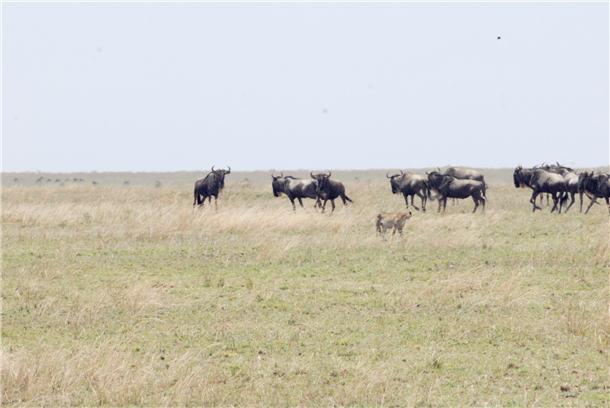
[(212, 168), (387, 175), (402, 172), (312, 176), (329, 174), (438, 169), (229, 171)]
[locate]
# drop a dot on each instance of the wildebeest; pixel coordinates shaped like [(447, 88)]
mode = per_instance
[(210, 186), (295, 188), (571, 179), (395, 221), (450, 187), (464, 173), (410, 184), (541, 181), (330, 189), (596, 186)]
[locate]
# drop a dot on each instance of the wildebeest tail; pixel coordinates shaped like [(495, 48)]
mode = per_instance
[(348, 199)]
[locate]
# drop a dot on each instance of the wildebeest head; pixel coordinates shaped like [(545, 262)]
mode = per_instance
[(394, 182), (587, 181), (322, 179), (436, 179), (220, 176), (277, 184), (518, 177)]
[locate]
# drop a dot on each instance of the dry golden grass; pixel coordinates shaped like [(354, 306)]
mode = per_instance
[(123, 295)]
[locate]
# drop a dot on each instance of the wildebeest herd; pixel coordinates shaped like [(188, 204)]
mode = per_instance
[(560, 183)]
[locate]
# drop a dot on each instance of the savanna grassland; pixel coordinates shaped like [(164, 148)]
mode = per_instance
[(119, 294)]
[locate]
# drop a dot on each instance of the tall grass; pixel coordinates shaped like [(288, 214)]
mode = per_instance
[(126, 295)]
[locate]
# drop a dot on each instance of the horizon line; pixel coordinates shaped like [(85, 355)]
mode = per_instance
[(275, 169)]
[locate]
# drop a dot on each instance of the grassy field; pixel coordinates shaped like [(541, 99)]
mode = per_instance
[(123, 295)]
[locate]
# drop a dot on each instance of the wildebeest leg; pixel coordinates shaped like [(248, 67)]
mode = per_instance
[(572, 200), (215, 202), (412, 202), (294, 207), (533, 201), (300, 202), (476, 204), (444, 204), (555, 201), (424, 200), (580, 197), (591, 204), (607, 203), (324, 205), (406, 200), (483, 202), (440, 204), (332, 202)]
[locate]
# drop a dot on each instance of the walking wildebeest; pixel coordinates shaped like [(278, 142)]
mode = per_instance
[(450, 187), (595, 185), (410, 184), (395, 221), (542, 181), (295, 188), (330, 189), (571, 178), (210, 186)]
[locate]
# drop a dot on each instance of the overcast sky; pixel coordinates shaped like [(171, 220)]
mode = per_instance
[(181, 87)]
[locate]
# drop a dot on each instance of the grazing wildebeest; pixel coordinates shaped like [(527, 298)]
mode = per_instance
[(395, 221), (596, 186), (330, 189), (450, 187), (410, 184), (295, 188), (210, 186), (541, 181)]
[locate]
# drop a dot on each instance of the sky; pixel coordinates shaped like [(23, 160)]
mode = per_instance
[(168, 87)]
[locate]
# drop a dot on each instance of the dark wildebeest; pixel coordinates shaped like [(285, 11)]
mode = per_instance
[(450, 187), (210, 186), (571, 178), (330, 189), (464, 173), (542, 181), (410, 184), (595, 186), (295, 188)]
